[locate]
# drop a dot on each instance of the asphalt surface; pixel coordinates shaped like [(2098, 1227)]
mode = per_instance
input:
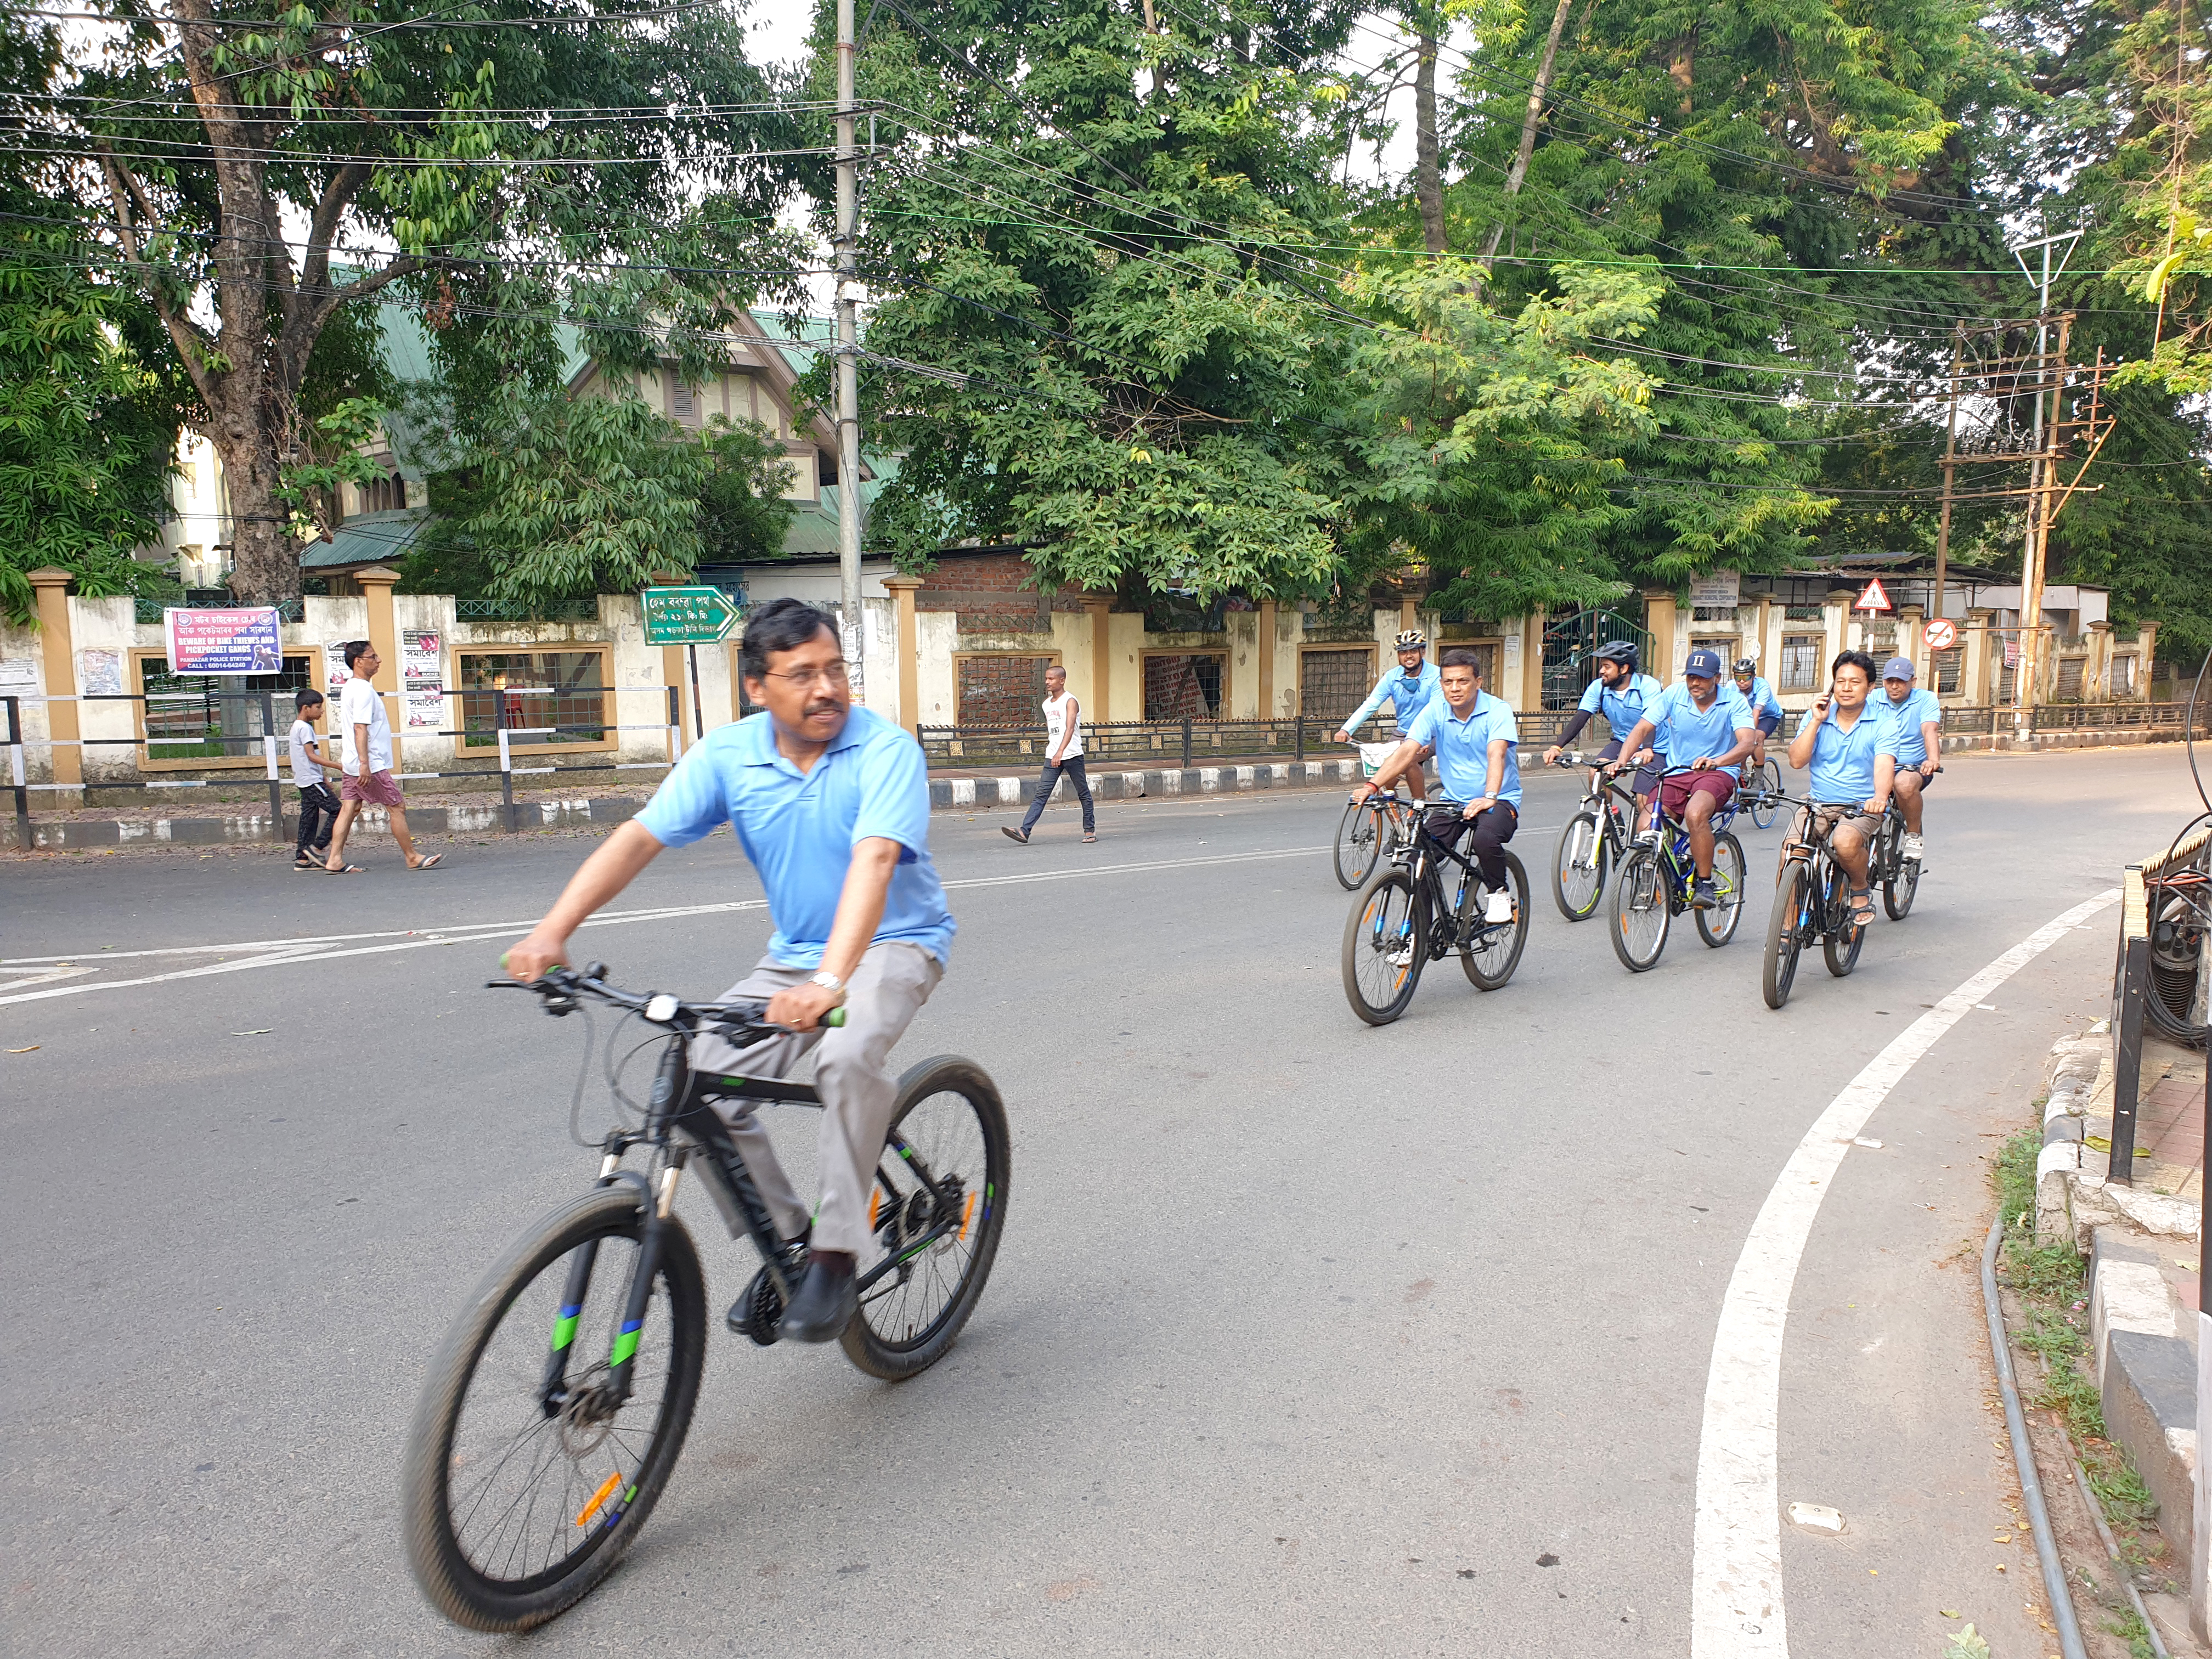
[(1303, 1336)]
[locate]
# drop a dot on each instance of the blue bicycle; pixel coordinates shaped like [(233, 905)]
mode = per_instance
[(1654, 886)]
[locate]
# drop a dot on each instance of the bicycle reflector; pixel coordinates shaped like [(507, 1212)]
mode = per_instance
[(598, 1499)]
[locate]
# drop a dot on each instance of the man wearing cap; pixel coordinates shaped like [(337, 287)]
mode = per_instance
[(1408, 689), (1915, 723), (1712, 722)]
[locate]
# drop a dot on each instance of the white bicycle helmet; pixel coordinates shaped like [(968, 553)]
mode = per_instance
[(1412, 640)]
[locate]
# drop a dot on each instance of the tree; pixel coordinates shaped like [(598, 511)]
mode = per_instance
[(498, 151), (744, 513)]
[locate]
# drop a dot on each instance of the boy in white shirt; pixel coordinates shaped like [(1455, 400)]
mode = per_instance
[(319, 807), (365, 756)]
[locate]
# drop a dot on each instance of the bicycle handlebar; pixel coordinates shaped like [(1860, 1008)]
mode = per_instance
[(559, 989)]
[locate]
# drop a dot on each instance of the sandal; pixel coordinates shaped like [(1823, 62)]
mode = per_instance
[(1089, 837), (350, 870), (1862, 906), (431, 863)]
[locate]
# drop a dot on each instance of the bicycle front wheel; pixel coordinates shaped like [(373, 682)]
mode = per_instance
[(1385, 946), (1901, 886), (1785, 934), (1494, 952), (1841, 936), (1641, 913), (1578, 867), (939, 1206), (526, 1475), (1716, 926), (1360, 836), (1764, 782)]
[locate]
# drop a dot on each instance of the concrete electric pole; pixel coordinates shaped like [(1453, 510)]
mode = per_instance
[(854, 618)]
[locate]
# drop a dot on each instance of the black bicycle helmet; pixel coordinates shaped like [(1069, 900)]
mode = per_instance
[(1747, 665), (1620, 651)]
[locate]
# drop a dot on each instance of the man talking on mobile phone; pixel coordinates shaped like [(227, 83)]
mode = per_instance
[(1853, 756)]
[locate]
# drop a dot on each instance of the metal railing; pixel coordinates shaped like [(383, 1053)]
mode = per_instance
[(1184, 743)]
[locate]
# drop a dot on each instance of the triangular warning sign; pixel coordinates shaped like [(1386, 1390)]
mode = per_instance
[(1873, 599)]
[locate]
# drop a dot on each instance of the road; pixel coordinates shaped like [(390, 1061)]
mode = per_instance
[(1303, 1336)]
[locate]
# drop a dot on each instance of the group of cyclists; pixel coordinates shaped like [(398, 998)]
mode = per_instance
[(1691, 746)]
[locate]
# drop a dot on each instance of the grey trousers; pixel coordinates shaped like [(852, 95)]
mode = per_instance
[(852, 1070)]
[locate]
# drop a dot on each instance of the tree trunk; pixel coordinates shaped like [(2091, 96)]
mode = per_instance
[(1529, 122), (1428, 167)]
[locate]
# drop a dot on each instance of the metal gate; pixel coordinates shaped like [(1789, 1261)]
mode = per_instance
[(1572, 641)]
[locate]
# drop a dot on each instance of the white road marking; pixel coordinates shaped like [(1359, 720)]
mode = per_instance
[(270, 953), (1735, 1568)]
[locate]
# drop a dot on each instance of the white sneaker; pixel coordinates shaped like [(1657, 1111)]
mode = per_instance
[(1498, 908), (1646, 838), (1912, 847)]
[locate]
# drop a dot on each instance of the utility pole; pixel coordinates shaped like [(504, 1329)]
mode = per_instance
[(1950, 468), (2039, 471), (848, 352)]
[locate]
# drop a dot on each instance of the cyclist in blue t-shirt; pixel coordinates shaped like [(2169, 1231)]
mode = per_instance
[(1708, 721), (1847, 744), (1621, 695), (1916, 722), (1767, 710), (1409, 688)]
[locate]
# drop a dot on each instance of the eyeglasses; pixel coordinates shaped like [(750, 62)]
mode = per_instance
[(805, 678)]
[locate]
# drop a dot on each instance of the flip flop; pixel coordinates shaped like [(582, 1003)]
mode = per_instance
[(430, 863), (1862, 906), (351, 870), (1091, 838)]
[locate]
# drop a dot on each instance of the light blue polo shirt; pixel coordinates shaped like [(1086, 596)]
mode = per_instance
[(1692, 731), (1843, 762), (1408, 694), (1905, 718), (799, 828), (1462, 746), (1761, 698), (1622, 705)]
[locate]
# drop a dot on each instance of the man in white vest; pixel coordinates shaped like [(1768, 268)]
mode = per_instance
[(1063, 752)]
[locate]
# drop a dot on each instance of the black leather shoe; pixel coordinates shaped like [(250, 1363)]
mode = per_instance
[(826, 1299), (758, 1313)]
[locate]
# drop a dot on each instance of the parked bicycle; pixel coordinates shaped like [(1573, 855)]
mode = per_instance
[(1812, 906), (1372, 829), (554, 1411), (1654, 886), (1596, 839), (1405, 917)]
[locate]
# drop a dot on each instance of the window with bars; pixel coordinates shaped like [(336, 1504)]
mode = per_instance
[(999, 690), (519, 690), (1801, 663), (1950, 671), (2069, 679), (1183, 685), (2123, 675), (1332, 683), (215, 716)]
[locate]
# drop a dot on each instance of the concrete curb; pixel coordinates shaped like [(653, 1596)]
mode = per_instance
[(2146, 1374), (2071, 1191), (946, 795)]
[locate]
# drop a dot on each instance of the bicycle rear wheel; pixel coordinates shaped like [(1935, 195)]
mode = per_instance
[(1900, 888), (1785, 934), (1494, 951), (1716, 926), (1765, 783), (515, 1501), (1841, 937), (943, 1231), (1385, 945), (1578, 867), (1362, 836), (1641, 913)]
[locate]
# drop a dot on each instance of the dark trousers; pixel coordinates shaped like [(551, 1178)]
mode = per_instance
[(1486, 836), (318, 807), (1074, 767)]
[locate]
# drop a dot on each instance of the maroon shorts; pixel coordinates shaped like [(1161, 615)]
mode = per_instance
[(1675, 793), (372, 789)]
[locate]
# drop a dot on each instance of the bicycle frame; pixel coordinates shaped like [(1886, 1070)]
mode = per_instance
[(1821, 867), (1418, 853), (1675, 849), (680, 1123)]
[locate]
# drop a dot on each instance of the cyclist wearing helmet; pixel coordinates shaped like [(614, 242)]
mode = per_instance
[(1408, 689), (1765, 707), (1621, 695)]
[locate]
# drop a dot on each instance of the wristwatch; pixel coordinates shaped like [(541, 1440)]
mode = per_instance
[(829, 981)]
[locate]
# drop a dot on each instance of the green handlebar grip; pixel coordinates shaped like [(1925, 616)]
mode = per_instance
[(834, 1017)]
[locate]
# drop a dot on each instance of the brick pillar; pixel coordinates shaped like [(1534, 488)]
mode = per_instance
[(1097, 606), (1659, 614), (902, 590), (58, 645), (376, 583), (1267, 646)]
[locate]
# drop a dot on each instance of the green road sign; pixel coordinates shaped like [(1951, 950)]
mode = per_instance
[(687, 616)]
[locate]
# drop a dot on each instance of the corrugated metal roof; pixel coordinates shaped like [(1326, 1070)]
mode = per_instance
[(369, 539)]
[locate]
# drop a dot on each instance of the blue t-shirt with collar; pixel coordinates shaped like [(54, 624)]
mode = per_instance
[(1761, 698), (1622, 705), (1690, 732), (799, 828), (1462, 746), (1408, 695), (1843, 762), (1904, 721)]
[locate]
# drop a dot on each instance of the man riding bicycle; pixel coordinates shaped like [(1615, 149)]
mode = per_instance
[(1621, 695), (831, 803), (1410, 689), (1916, 726), (1847, 745), (1703, 719), (1767, 709), (1475, 735)]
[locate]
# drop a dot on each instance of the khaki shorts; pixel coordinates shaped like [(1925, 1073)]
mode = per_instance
[(1867, 823)]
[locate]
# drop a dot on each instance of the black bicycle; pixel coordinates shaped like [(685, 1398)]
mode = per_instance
[(553, 1414), (1596, 839), (1812, 906), (1655, 886), (1402, 918), (1761, 792), (1898, 876)]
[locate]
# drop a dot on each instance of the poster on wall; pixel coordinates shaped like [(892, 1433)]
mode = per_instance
[(19, 676), (236, 639), (100, 673), (422, 675)]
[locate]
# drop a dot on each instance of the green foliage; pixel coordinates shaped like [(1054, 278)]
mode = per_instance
[(743, 512), (84, 448)]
